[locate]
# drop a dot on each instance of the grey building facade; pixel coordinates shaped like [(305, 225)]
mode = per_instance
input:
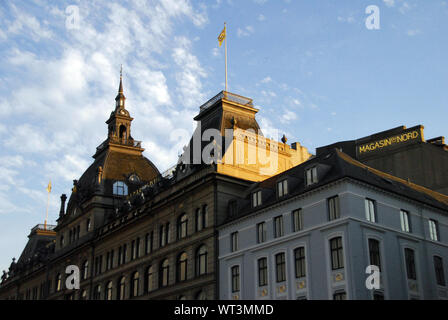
[(313, 236)]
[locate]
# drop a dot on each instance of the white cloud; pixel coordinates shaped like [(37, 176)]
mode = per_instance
[(389, 3), (266, 80), (261, 17), (413, 32), (189, 79), (288, 116), (247, 31)]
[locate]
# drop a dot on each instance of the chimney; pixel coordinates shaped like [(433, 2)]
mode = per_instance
[(62, 211)]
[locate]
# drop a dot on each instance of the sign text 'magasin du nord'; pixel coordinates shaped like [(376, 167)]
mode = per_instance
[(388, 142)]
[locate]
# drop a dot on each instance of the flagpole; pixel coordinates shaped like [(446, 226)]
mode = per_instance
[(48, 201), (225, 44), (46, 217)]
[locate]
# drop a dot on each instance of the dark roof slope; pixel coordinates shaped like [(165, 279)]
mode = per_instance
[(332, 166)]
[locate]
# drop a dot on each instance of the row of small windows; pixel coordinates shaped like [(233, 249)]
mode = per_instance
[(333, 208), (337, 263), (74, 234), (149, 281), (282, 187), (201, 264)]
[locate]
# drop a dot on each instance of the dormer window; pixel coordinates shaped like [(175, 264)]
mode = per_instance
[(134, 178), (282, 188), (256, 199), (120, 188), (311, 176)]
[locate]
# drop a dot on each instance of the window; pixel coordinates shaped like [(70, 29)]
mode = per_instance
[(182, 267), (433, 230), (134, 284), (135, 249), (201, 260), (235, 278), (410, 264), (339, 296), (280, 267), (278, 226), (62, 242), (262, 272), (370, 210), (122, 254), (121, 287), (300, 265), (88, 225), (337, 254), (234, 241), (333, 208), (120, 188), (83, 295), (405, 223), (282, 188), (374, 253), (256, 199), (98, 264), (297, 220), (201, 295), (201, 217), (85, 270), (149, 279), (182, 223), (148, 242), (97, 292), (199, 220), (58, 282), (261, 232), (162, 236), (311, 176), (164, 273), (440, 273), (109, 287)]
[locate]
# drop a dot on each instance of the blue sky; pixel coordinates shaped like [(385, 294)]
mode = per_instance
[(312, 67)]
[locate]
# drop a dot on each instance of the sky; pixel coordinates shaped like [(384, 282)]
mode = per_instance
[(314, 70)]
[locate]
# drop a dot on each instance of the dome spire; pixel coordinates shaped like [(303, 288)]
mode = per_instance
[(120, 97)]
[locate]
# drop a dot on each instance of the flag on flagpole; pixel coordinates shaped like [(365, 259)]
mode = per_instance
[(222, 36), (49, 187)]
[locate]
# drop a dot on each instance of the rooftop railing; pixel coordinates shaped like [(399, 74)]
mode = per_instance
[(227, 96)]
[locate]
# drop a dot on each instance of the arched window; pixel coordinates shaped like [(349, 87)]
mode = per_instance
[(149, 279), (85, 270), (108, 295), (182, 267), (120, 188), (164, 273), (58, 282), (83, 295), (182, 226), (121, 287), (97, 292), (134, 284), (201, 260), (201, 295), (181, 298), (122, 132)]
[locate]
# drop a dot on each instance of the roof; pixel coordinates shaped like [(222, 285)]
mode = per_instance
[(333, 166)]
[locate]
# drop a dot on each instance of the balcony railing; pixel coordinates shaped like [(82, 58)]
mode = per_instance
[(227, 96), (43, 227)]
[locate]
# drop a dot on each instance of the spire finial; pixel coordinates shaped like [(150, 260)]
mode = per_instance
[(120, 89)]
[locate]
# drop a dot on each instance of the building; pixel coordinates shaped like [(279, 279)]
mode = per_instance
[(402, 152), (136, 233), (311, 232)]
